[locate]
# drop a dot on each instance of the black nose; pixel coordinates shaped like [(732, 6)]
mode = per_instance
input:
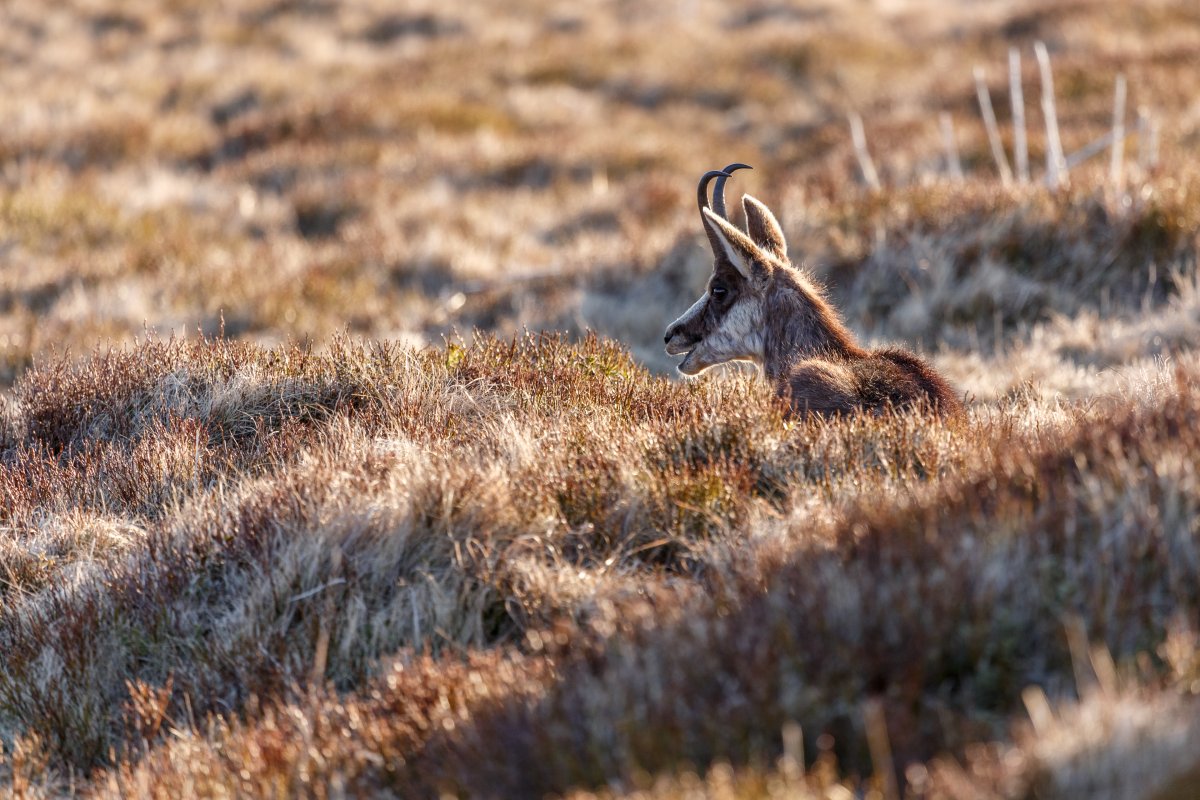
[(670, 333)]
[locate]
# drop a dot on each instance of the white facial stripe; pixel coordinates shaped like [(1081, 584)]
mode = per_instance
[(738, 337), (740, 330)]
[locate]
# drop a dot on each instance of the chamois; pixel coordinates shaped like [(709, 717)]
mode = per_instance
[(759, 308)]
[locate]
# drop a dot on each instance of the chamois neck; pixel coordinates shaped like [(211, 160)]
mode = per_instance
[(799, 324)]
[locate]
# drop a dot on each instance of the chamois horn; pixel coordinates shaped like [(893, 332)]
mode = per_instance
[(719, 189), (721, 175), (702, 189)]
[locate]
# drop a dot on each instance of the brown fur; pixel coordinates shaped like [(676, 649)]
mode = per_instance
[(876, 380), (797, 337)]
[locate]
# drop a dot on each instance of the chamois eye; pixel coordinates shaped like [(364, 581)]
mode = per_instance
[(718, 291)]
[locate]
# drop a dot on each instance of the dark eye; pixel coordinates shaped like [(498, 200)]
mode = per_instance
[(718, 291)]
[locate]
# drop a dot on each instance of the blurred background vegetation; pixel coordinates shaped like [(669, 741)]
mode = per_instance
[(285, 169)]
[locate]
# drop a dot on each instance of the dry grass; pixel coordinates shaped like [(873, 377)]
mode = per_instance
[(344, 550), (421, 171), (658, 562)]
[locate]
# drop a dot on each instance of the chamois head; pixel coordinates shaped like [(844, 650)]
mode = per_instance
[(758, 307), (727, 322)]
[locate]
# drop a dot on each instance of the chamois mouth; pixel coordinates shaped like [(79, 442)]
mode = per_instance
[(685, 365), (688, 366), (675, 348), (682, 345)]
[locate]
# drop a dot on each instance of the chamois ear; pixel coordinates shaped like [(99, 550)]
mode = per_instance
[(737, 247), (764, 229)]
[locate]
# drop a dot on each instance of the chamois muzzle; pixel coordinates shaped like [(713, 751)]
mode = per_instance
[(683, 342)]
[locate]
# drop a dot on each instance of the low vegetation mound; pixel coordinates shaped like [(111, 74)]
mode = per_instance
[(403, 557)]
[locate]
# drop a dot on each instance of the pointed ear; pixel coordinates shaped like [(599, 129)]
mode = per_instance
[(764, 229), (736, 246)]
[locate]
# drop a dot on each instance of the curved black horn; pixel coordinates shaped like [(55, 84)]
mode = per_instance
[(702, 201), (702, 189), (719, 189)]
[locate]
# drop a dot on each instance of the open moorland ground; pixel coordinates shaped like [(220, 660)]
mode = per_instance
[(339, 455)]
